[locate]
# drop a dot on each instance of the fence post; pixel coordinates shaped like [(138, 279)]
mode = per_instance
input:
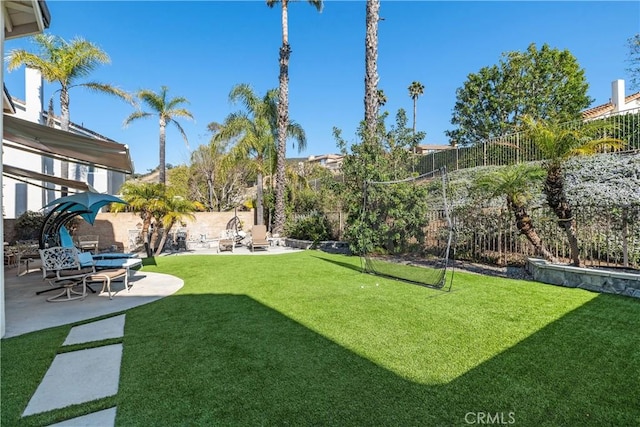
[(484, 153)]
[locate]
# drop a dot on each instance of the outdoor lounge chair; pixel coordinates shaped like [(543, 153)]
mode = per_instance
[(259, 237)]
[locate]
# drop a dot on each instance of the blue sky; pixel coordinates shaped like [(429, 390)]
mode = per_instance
[(201, 49)]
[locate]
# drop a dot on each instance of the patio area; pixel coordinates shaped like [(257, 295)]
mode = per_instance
[(27, 312)]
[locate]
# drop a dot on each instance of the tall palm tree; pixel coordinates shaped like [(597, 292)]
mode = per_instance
[(167, 111), (65, 63), (416, 89), (254, 130), (558, 142), (283, 110), (254, 134), (515, 184), (371, 103)]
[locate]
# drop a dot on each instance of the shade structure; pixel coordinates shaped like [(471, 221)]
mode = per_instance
[(86, 204), (62, 145), (28, 176)]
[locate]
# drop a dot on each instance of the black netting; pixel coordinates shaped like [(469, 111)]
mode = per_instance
[(395, 217)]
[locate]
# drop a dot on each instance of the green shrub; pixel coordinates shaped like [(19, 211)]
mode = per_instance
[(313, 227), (27, 226)]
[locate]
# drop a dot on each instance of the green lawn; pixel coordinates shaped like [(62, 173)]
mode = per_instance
[(306, 339)]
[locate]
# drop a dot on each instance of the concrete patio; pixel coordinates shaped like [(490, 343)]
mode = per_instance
[(27, 312)]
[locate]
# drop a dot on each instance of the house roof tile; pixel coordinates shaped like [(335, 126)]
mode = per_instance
[(599, 110)]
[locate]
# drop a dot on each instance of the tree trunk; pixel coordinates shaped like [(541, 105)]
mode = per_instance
[(210, 194), (154, 239), (163, 240), (64, 125), (415, 108), (146, 224), (283, 123), (162, 176), (371, 69), (260, 201), (554, 190), (524, 223)]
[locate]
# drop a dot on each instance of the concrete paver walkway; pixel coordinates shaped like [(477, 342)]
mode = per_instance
[(105, 329), (103, 418), (84, 375)]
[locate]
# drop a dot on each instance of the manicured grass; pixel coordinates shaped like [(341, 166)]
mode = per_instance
[(306, 338)]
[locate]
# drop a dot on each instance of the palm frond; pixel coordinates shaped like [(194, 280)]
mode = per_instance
[(111, 90), (134, 116), (182, 132)]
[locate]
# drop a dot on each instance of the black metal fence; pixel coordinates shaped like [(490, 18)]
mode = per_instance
[(515, 148), (607, 237)]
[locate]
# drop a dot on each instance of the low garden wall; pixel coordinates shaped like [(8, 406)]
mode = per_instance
[(121, 229), (605, 281)]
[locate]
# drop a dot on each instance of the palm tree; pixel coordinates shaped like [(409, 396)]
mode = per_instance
[(416, 89), (558, 142), (176, 208), (255, 133), (167, 111), (65, 63), (515, 184), (371, 103), (283, 111), (145, 198)]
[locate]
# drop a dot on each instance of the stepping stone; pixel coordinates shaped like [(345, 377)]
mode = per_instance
[(78, 377), (112, 327), (105, 418)]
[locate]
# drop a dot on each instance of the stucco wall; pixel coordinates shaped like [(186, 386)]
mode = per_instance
[(116, 228)]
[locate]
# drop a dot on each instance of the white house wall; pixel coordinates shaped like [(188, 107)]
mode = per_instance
[(102, 180)]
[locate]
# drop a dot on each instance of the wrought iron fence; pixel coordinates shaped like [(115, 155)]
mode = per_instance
[(606, 238), (516, 147)]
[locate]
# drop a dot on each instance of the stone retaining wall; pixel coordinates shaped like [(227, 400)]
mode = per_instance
[(332, 246), (606, 281)]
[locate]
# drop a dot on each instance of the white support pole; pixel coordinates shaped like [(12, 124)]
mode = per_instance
[(2, 314)]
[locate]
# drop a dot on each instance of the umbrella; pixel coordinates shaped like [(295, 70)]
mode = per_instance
[(85, 204), (87, 200)]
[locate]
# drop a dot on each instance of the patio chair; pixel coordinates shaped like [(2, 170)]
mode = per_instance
[(62, 270), (88, 243), (65, 268), (259, 237)]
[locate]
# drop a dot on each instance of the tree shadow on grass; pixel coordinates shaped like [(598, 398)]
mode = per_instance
[(249, 364), (340, 263), (207, 359)]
